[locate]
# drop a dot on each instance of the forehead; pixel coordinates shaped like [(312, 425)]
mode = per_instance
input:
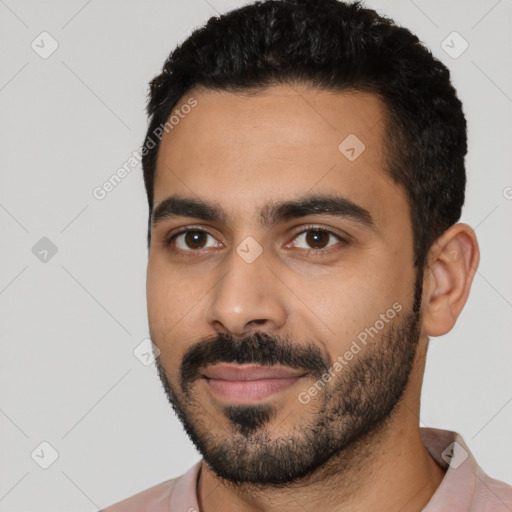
[(242, 150)]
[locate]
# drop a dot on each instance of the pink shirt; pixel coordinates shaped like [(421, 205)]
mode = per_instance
[(464, 488)]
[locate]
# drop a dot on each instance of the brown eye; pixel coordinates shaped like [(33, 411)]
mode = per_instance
[(317, 239), (192, 240), (195, 239)]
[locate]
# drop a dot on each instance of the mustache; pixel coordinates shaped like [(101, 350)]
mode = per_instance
[(257, 348)]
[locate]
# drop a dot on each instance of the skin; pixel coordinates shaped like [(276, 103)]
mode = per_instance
[(241, 152)]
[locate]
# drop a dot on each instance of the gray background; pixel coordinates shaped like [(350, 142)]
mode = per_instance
[(70, 324)]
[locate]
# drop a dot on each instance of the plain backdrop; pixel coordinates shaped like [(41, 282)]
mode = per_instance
[(72, 280)]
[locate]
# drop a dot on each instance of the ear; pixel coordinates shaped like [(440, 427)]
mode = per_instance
[(452, 263)]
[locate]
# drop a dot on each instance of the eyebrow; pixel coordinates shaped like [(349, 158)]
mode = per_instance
[(272, 213)]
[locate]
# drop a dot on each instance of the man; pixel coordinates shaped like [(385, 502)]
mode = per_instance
[(304, 166)]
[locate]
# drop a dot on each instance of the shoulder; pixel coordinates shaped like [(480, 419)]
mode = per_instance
[(154, 499), (494, 494)]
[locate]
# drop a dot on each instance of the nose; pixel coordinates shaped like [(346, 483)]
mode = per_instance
[(248, 297)]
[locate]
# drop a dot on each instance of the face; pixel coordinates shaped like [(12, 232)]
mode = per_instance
[(285, 247)]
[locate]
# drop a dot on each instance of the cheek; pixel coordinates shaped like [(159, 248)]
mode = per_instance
[(154, 287), (160, 301), (174, 301), (163, 318), (353, 301)]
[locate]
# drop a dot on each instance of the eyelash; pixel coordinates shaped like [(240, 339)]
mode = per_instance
[(315, 252)]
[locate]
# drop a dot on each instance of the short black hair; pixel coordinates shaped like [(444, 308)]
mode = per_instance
[(339, 46)]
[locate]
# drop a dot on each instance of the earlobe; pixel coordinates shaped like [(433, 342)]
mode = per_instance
[(453, 261)]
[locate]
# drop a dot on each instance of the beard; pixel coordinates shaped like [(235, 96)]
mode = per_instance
[(351, 409)]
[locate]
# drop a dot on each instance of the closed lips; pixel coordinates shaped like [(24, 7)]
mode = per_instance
[(250, 372)]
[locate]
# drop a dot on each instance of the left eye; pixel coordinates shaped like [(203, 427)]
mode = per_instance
[(317, 237)]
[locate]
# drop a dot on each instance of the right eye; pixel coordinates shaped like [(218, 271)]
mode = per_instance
[(190, 240)]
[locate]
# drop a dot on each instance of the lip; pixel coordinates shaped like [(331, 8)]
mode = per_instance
[(248, 383), (250, 372)]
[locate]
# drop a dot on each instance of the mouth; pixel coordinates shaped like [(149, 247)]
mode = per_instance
[(249, 383)]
